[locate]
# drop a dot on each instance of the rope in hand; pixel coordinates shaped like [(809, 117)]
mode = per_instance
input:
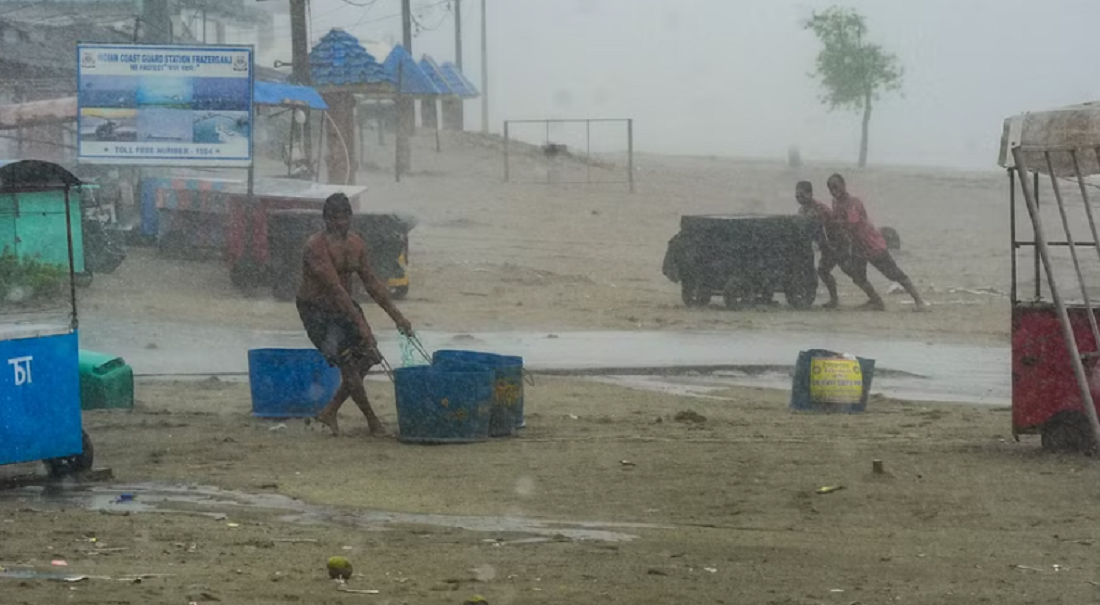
[(411, 348)]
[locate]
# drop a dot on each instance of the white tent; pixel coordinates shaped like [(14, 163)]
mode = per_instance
[(1058, 131)]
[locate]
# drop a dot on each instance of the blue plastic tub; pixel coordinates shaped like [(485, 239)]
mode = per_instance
[(508, 401), (290, 383), (825, 381), (443, 405)]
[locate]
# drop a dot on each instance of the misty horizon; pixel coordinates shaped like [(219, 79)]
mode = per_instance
[(744, 89)]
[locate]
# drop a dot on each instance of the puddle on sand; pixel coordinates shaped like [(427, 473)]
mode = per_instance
[(704, 384), (219, 504)]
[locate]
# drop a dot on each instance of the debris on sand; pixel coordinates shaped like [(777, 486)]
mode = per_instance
[(689, 416)]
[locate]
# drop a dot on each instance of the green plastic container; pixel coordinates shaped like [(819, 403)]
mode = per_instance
[(106, 382)]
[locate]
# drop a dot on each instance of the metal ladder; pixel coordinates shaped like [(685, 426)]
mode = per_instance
[(1030, 198)]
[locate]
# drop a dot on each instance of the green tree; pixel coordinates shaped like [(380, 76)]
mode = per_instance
[(852, 71)]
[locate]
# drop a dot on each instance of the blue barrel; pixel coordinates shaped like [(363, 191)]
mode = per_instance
[(290, 383), (508, 401), (443, 405), (826, 381)]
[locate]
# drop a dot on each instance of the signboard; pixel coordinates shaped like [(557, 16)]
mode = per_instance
[(165, 105)]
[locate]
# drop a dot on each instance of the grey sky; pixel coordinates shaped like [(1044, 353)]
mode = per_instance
[(729, 77)]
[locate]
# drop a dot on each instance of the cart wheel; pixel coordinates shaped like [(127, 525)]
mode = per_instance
[(83, 280), (694, 295), (71, 465), (1068, 432), (399, 292), (740, 293), (800, 296)]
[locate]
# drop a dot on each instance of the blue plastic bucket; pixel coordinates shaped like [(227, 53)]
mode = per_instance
[(443, 405), (290, 383), (508, 398), (826, 381)]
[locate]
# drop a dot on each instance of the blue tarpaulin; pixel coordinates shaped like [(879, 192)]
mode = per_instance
[(431, 69), (457, 82), (271, 93), (413, 81)]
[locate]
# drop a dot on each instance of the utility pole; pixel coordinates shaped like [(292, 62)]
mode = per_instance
[(156, 22), (407, 26), (458, 34), (404, 105), (484, 72), (452, 108), (299, 62)]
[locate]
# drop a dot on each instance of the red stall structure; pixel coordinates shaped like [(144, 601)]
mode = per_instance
[(198, 213), (1052, 159)]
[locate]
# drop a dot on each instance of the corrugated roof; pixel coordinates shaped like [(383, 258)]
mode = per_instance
[(435, 74), (340, 60), (403, 68), (456, 81)]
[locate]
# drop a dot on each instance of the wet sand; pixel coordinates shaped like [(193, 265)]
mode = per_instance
[(491, 256), (729, 503), (718, 505)]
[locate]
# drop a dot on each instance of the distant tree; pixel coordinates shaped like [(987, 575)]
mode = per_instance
[(852, 71)]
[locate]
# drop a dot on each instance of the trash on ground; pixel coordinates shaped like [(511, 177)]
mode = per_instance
[(339, 568), (689, 416), (828, 489)]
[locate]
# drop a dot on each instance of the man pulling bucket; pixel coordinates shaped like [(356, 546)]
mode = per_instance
[(333, 319)]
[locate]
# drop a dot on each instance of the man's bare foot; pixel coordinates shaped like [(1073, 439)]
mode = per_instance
[(832, 304), (873, 305), (329, 420), (377, 429), (921, 307)]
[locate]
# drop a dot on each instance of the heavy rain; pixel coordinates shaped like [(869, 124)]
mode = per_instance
[(770, 301)]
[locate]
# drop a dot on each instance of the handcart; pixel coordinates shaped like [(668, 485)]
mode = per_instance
[(39, 360)]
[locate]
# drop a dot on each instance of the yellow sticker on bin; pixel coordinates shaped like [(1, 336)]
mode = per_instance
[(836, 381)]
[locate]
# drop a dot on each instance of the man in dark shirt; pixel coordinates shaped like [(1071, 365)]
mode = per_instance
[(821, 215)]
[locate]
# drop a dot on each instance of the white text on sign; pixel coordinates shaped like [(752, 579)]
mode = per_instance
[(22, 368)]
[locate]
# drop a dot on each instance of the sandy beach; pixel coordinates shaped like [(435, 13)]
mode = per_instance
[(610, 494)]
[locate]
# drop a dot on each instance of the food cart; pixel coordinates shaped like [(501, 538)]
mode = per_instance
[(746, 258), (39, 373), (1051, 157)]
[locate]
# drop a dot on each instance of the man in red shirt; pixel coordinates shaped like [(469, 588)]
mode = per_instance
[(822, 216), (867, 246)]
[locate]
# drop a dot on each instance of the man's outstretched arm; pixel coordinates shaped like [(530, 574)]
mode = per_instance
[(380, 293)]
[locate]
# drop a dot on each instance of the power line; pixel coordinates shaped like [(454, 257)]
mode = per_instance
[(25, 6), (418, 20)]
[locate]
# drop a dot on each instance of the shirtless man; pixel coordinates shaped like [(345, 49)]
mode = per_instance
[(332, 319), (868, 246)]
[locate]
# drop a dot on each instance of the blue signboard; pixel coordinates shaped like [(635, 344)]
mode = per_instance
[(39, 398), (165, 105)]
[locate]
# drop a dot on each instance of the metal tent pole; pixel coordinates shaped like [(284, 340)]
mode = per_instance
[(1059, 304), (1072, 247)]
